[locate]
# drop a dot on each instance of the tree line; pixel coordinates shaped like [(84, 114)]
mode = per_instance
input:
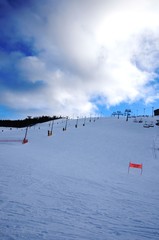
[(27, 121)]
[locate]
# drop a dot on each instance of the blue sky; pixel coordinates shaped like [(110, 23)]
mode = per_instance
[(78, 57)]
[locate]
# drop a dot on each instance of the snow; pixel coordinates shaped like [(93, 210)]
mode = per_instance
[(75, 184)]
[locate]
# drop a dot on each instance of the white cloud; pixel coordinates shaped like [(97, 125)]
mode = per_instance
[(90, 48), (32, 68)]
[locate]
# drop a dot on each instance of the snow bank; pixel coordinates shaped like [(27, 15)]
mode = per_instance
[(75, 183)]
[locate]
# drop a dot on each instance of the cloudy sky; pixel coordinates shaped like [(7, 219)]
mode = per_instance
[(78, 57)]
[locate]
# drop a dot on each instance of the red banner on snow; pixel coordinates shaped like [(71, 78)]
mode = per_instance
[(135, 165)]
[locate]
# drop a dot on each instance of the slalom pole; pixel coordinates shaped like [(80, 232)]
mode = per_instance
[(64, 129), (50, 131), (84, 121), (52, 125), (128, 167), (25, 140), (26, 132), (76, 125), (141, 168)]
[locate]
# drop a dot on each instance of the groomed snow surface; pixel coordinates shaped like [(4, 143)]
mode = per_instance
[(75, 185)]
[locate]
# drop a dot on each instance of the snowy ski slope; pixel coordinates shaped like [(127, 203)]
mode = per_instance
[(74, 185)]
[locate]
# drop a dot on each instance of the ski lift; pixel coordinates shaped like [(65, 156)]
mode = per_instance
[(146, 125), (135, 120), (151, 124)]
